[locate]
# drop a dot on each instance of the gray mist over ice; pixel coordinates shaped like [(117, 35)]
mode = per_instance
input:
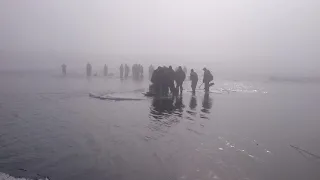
[(259, 121), (275, 36)]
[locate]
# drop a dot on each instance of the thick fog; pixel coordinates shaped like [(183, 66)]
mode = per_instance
[(266, 34)]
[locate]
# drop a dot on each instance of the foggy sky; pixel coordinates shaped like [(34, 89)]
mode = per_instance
[(287, 30)]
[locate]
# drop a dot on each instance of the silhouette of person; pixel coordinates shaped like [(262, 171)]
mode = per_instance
[(180, 76), (156, 79), (165, 81), (126, 71), (89, 69), (141, 71), (64, 69), (151, 70), (207, 78), (171, 76), (133, 69), (105, 70), (194, 80), (121, 71), (193, 103)]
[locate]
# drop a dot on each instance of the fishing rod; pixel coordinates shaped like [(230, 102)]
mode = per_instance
[(200, 85)]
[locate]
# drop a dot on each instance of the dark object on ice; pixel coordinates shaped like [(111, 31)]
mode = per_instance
[(105, 70), (151, 70), (207, 78), (89, 69), (304, 151), (64, 69), (121, 71), (194, 80), (180, 76), (126, 71)]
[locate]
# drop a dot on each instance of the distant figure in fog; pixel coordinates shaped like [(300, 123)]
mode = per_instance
[(207, 78), (151, 70), (105, 70), (126, 71), (121, 71), (180, 76), (141, 71), (135, 72), (185, 69), (89, 69), (64, 69), (194, 80)]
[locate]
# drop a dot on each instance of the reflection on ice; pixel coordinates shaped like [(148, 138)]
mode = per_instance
[(242, 87), (193, 103), (4, 176), (206, 103), (232, 145)]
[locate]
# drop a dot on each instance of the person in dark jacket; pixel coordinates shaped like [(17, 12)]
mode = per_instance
[(126, 71), (207, 78), (89, 69), (171, 76), (151, 70), (105, 70), (64, 69), (194, 80), (157, 81), (180, 76), (121, 71), (165, 81), (140, 71)]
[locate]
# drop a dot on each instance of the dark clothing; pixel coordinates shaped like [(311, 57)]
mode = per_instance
[(194, 80), (180, 76), (151, 70), (154, 76), (207, 78), (172, 88), (158, 80), (141, 71), (171, 74), (126, 71), (179, 87), (121, 71), (165, 81), (171, 78), (89, 69), (105, 70), (64, 69)]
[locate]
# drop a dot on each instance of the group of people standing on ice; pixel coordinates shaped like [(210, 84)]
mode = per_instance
[(165, 80), (137, 71)]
